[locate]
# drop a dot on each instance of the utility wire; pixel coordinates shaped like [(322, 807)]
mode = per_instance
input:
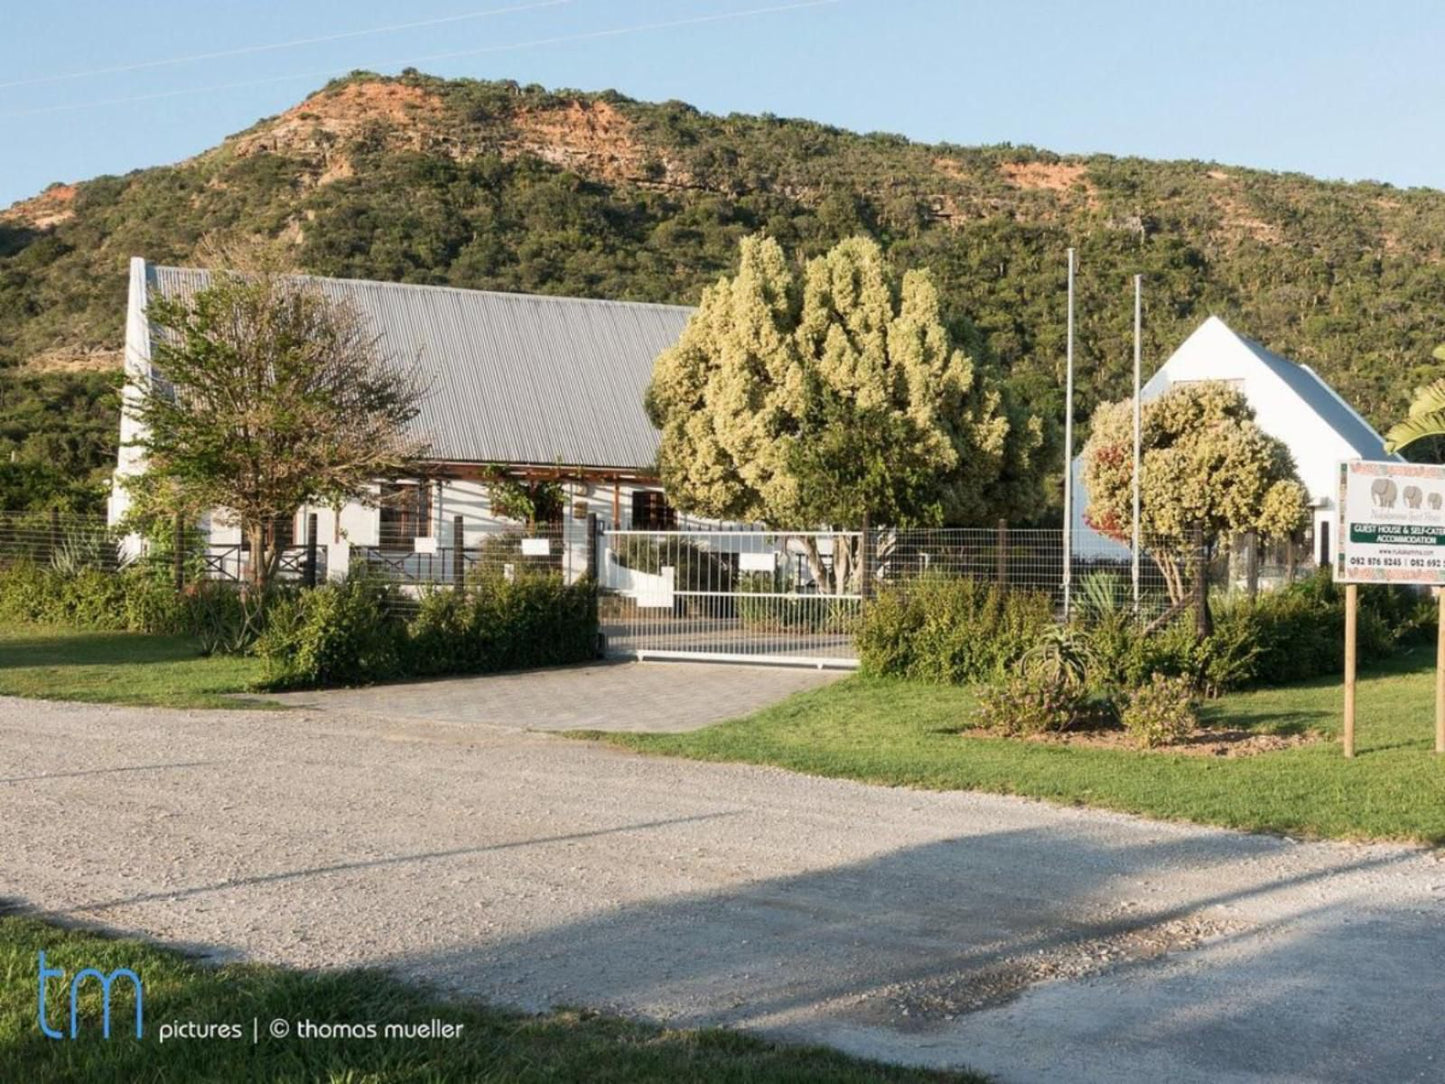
[(590, 35), (297, 43)]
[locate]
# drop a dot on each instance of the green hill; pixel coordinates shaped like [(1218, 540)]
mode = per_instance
[(497, 186)]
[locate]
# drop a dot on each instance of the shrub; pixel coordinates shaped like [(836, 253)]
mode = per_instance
[(1161, 711), (949, 629), (1031, 701), (337, 634), (531, 620), (92, 598), (1284, 636), (352, 633)]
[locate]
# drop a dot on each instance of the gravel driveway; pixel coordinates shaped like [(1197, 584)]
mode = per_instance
[(1037, 943)]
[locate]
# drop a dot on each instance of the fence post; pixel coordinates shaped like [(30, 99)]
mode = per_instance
[(180, 553), (459, 557), (1201, 588), (593, 563), (310, 577), (865, 546), (1001, 557), (54, 533), (1251, 565)]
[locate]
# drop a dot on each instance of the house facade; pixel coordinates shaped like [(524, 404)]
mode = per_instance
[(530, 387), (1291, 402)]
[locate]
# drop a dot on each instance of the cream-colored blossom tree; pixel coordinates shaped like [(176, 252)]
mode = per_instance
[(806, 401), (1208, 470)]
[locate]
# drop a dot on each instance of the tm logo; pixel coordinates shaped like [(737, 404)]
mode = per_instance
[(47, 973)]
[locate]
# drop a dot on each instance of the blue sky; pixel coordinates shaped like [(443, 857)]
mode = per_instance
[(1334, 89)]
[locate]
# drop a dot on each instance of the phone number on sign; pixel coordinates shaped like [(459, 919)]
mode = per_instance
[(1396, 562)]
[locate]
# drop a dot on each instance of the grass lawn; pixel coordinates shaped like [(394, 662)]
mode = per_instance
[(902, 734), (492, 1045), (117, 667)]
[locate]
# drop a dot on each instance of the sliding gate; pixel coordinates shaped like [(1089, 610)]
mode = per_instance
[(731, 596)]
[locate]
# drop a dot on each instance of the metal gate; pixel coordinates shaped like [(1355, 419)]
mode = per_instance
[(732, 596)]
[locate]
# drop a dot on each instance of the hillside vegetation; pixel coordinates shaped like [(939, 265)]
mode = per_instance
[(496, 186)]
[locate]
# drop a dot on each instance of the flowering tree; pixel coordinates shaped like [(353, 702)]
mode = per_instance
[(1208, 470), (804, 401)]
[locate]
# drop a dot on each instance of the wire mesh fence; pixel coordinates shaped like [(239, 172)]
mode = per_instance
[(797, 596), (72, 543), (705, 592)]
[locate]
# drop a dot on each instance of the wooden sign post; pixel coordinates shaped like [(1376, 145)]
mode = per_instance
[(1391, 529), (1351, 601), (1440, 675)]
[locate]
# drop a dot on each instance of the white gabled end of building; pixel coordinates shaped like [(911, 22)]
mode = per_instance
[(1290, 401)]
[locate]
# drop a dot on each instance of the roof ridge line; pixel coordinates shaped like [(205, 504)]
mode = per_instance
[(444, 288)]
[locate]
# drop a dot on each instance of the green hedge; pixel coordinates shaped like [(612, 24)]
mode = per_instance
[(137, 599), (949, 629), (361, 632), (957, 630)]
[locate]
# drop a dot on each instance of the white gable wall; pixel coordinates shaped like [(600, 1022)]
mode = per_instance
[(1215, 353)]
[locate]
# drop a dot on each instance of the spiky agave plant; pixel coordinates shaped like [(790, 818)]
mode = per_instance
[(1062, 656)]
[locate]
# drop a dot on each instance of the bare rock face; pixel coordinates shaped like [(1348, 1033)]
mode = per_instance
[(592, 138), (318, 130), (50, 208)]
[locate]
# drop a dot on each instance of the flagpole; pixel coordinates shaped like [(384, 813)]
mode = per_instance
[(1069, 447), (1138, 366)]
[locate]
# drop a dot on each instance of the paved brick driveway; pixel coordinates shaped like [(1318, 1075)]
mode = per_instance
[(638, 696)]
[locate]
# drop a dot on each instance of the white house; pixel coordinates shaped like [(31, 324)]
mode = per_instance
[(1290, 402), (541, 387)]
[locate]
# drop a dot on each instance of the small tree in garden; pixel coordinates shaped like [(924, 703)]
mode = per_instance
[(1208, 470), (805, 400), (267, 395)]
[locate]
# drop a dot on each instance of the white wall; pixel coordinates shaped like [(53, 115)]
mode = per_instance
[(1215, 353)]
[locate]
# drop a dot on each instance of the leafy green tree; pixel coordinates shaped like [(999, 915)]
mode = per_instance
[(1208, 471), (267, 395), (804, 401)]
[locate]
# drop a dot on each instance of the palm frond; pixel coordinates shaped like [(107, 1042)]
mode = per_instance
[(1429, 399), (1416, 427)]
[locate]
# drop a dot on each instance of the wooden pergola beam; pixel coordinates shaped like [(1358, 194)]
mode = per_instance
[(533, 472)]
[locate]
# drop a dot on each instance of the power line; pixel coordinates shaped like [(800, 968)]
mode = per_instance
[(590, 35), (297, 43)]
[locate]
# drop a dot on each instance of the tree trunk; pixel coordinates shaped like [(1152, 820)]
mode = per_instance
[(1203, 619), (255, 533), (845, 563)]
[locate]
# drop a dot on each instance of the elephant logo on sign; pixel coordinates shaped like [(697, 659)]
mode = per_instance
[(1413, 496), (1434, 501), (1383, 492)]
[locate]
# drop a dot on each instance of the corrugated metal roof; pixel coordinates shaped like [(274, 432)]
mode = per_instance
[(1306, 384), (1324, 401), (512, 378)]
